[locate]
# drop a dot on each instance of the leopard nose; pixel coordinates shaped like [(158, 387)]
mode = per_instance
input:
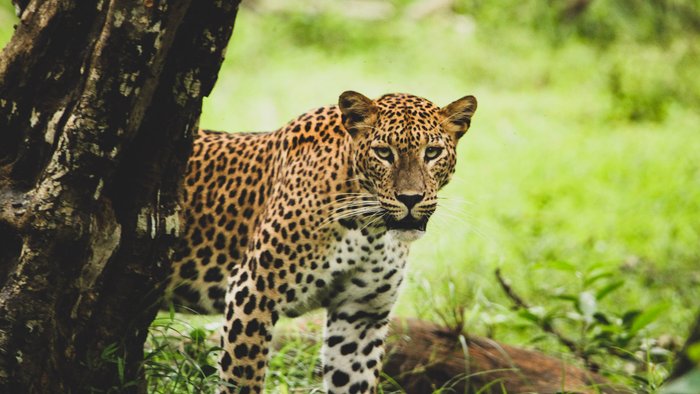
[(409, 200)]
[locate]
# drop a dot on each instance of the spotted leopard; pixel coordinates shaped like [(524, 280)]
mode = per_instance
[(318, 214)]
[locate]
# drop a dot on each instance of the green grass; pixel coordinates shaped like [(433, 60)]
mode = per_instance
[(583, 157)]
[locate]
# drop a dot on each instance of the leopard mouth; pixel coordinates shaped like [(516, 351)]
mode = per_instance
[(408, 223)]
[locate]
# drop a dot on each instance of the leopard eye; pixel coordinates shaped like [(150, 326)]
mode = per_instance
[(384, 153), (432, 152)]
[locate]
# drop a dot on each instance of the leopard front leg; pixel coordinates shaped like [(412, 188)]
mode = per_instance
[(353, 348), (250, 318)]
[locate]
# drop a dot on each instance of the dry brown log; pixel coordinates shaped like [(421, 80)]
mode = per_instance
[(423, 357)]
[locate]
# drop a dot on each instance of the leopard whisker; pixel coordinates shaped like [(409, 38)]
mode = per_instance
[(455, 210), (355, 204), (347, 202), (350, 213), (373, 220), (468, 222)]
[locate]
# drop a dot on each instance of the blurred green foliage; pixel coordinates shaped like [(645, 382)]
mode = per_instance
[(583, 154), (598, 22)]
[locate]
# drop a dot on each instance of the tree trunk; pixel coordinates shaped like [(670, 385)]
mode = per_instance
[(98, 103)]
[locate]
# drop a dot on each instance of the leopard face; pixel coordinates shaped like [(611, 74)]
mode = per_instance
[(405, 151)]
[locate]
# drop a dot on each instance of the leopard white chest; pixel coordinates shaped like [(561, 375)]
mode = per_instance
[(361, 268)]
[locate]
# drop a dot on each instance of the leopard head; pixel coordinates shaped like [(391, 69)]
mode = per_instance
[(405, 151)]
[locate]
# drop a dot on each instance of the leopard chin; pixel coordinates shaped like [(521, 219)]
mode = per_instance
[(406, 235)]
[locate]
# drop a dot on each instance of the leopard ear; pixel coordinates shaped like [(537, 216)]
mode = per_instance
[(457, 116), (359, 112)]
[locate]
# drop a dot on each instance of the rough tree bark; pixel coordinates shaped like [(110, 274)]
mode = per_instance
[(98, 102)]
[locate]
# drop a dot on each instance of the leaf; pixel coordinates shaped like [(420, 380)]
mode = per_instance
[(198, 335), (629, 317), (603, 336), (647, 317), (109, 351), (601, 318), (609, 288), (562, 266), (120, 369), (596, 277), (641, 379), (537, 338), (525, 314), (567, 297)]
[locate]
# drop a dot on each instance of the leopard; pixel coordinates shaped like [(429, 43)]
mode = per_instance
[(318, 214)]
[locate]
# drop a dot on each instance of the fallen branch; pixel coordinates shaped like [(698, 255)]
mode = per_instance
[(423, 357), (545, 325)]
